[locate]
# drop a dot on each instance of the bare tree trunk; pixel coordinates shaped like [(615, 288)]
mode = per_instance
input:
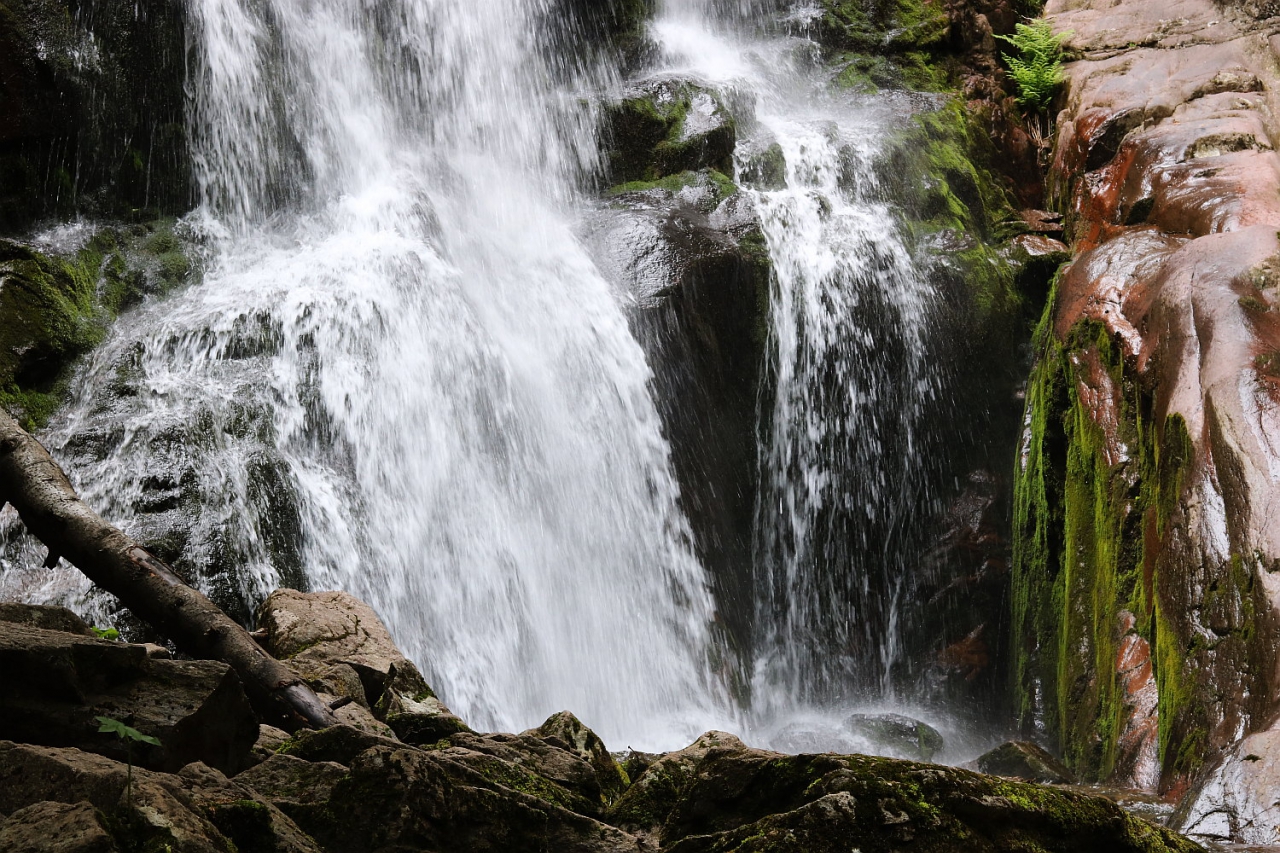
[(54, 513)]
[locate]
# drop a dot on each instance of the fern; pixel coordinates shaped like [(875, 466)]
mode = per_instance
[(1037, 69)]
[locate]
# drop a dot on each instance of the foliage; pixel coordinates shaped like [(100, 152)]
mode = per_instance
[(130, 736), (105, 634), (1037, 69)]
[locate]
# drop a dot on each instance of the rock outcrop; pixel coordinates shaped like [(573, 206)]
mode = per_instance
[(92, 109), (351, 789), (1145, 594)]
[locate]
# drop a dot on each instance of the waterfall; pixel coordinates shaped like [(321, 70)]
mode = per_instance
[(402, 375), (844, 452)]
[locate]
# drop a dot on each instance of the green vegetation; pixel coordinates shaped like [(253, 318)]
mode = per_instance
[(105, 633), (130, 736), (55, 308), (1037, 67)]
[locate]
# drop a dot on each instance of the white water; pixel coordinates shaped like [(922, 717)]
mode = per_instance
[(842, 470), (399, 333), (398, 324)]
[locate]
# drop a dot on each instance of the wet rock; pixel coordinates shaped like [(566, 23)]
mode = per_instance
[(91, 110), (1152, 412), (723, 796), (665, 126), (56, 683), (694, 260), (896, 735), (1237, 800), (1024, 760), (270, 739)]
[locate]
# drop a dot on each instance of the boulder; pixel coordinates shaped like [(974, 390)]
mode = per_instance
[(339, 646), (691, 254), (895, 735), (1021, 759), (1147, 470), (42, 616), (397, 797), (665, 126), (57, 683), (197, 811), (719, 795), (50, 827)]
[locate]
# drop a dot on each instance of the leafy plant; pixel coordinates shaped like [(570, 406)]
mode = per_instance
[(130, 736), (1037, 69), (105, 634)]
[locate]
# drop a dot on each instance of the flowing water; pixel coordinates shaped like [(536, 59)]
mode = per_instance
[(401, 349), (402, 374), (845, 444)]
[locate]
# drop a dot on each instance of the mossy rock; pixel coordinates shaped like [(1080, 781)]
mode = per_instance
[(664, 127), (54, 307)]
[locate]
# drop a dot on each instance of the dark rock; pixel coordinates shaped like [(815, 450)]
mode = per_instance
[(1024, 760), (701, 282), (50, 827), (56, 683), (42, 616), (400, 797), (664, 127), (896, 735), (102, 135), (199, 811), (339, 744), (726, 797)]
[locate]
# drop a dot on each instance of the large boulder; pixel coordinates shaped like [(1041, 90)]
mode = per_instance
[(666, 126), (1237, 800), (720, 796), (56, 683), (341, 648), (691, 254), (1021, 759)]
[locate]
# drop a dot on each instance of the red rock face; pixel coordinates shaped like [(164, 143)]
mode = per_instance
[(1164, 166)]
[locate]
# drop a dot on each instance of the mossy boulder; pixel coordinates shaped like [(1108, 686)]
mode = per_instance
[(663, 127), (722, 796), (58, 296)]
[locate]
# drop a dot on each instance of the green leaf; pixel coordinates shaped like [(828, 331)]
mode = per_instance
[(105, 633), (107, 724)]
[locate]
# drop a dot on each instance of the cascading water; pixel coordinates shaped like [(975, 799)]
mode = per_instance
[(844, 456), (401, 374)]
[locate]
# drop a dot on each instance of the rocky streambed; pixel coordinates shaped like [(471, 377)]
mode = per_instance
[(403, 773)]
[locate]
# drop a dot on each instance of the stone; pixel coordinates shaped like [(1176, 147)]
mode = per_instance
[(565, 731), (57, 683), (724, 796), (895, 735), (665, 126), (420, 722), (50, 827), (195, 811), (325, 629), (1023, 760), (43, 616), (1153, 409), (270, 739), (1236, 801)]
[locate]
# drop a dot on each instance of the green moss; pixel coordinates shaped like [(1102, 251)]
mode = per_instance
[(54, 309), (1093, 498)]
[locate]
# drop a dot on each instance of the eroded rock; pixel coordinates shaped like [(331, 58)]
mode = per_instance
[(1024, 760)]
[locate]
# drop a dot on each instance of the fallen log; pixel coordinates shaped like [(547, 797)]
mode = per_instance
[(39, 490)]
